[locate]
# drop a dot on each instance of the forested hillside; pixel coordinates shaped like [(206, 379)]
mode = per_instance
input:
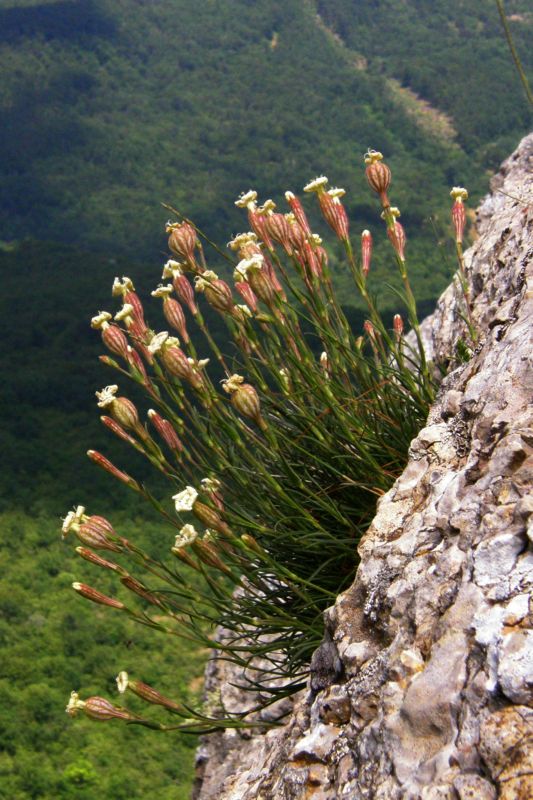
[(110, 107)]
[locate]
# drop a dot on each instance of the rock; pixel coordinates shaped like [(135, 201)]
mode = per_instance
[(423, 687)]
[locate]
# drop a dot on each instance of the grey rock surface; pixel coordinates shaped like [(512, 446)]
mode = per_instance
[(435, 698)]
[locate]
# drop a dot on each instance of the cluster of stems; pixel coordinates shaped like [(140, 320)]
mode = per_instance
[(275, 455)]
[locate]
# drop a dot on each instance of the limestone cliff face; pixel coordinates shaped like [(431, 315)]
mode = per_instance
[(435, 634)]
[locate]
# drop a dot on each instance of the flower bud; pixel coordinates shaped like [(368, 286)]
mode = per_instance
[(96, 597), (208, 554), (166, 431), (366, 252), (137, 365), (184, 290), (94, 558), (257, 222), (298, 211), (397, 326), (247, 294), (209, 517), (278, 229), (118, 430), (108, 466), (145, 692), (115, 340), (296, 232), (397, 238), (458, 212), (140, 590), (334, 212), (378, 175), (95, 534), (182, 240), (175, 317)]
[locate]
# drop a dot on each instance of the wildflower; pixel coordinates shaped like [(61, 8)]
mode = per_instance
[(108, 466), (397, 238), (247, 200), (94, 558), (247, 294), (298, 211), (101, 320), (317, 185), (157, 341), (366, 252), (334, 212), (378, 175), (96, 597), (165, 430), (185, 499), (162, 291), (217, 291), (244, 399), (107, 396), (122, 681), (187, 535), (125, 314), (171, 269), (182, 240), (210, 485), (97, 708), (145, 692), (74, 704), (72, 521), (175, 317), (279, 230), (242, 239), (122, 287), (324, 361), (247, 264), (458, 212), (397, 325), (140, 590)]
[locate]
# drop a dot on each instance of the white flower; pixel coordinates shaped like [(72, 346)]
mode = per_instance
[(185, 500), (107, 396), (163, 291), (289, 196), (285, 379), (186, 536), (74, 704), (243, 310), (336, 193), (122, 681), (371, 156), (254, 262), (210, 485), (201, 282), (198, 363), (172, 269), (232, 384), (125, 313), (157, 341), (72, 520), (247, 199), (241, 240), (316, 185), (101, 320), (122, 287), (324, 361), (315, 239), (267, 207), (458, 193)]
